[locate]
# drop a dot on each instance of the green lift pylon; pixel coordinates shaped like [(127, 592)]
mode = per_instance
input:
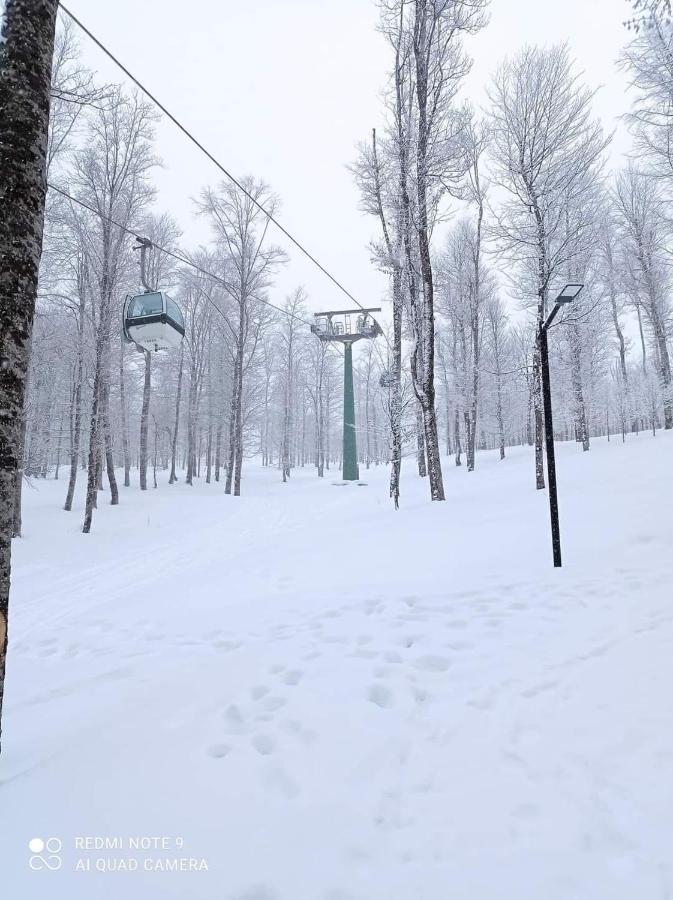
[(338, 326)]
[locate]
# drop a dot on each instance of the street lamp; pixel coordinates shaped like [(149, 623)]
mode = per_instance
[(567, 295)]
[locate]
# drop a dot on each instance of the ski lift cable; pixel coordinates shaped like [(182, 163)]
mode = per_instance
[(210, 156), (179, 257)]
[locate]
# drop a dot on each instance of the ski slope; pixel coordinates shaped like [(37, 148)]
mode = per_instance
[(318, 698)]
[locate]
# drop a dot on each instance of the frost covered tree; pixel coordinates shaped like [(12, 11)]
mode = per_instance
[(645, 235), (404, 185), (548, 151), (376, 178), (648, 59), (159, 269), (290, 340), (240, 226), (110, 175)]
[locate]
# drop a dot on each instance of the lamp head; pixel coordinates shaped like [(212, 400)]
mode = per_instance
[(569, 293)]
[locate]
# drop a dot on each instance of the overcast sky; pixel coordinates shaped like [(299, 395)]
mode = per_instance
[(283, 89)]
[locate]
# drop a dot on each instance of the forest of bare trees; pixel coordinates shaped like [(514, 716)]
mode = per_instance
[(479, 217)]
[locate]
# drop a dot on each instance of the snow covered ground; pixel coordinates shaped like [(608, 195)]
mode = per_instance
[(327, 700)]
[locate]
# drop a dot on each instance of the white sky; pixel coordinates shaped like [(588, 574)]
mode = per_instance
[(283, 89)]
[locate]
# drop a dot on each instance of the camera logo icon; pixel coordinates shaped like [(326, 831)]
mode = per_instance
[(45, 854)]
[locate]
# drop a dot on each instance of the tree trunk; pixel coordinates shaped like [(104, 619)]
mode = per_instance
[(420, 443), (107, 442), (499, 416), (76, 420), (578, 391), (26, 50), (231, 456), (124, 418), (144, 419), (218, 450), (154, 461), (191, 427), (456, 437), (425, 388), (209, 450), (538, 420), (174, 443)]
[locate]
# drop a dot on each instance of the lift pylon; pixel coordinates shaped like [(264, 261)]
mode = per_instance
[(346, 327)]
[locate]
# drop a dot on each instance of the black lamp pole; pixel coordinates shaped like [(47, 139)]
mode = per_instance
[(567, 295), (549, 443)]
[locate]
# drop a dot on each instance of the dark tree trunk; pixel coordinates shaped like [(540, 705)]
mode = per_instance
[(18, 478), (209, 451), (26, 50), (231, 454), (218, 450), (420, 443), (124, 418), (174, 444), (145, 419), (456, 437), (107, 441), (76, 417), (578, 389), (191, 427), (425, 386)]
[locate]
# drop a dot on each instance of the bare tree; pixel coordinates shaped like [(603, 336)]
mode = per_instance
[(111, 175), (549, 154), (497, 335), (240, 227), (645, 232), (159, 272), (375, 177), (439, 68), (290, 340)]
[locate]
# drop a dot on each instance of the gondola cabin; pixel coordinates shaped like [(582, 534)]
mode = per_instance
[(153, 321)]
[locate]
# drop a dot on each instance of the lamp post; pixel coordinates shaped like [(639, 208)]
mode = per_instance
[(567, 295)]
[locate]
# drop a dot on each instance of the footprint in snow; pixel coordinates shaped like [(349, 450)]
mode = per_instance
[(361, 653), (432, 663), (234, 718), (459, 645), (420, 693), (259, 691), (264, 744), (296, 729), (225, 646), (380, 696), (219, 751), (271, 704), (292, 677), (408, 641)]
